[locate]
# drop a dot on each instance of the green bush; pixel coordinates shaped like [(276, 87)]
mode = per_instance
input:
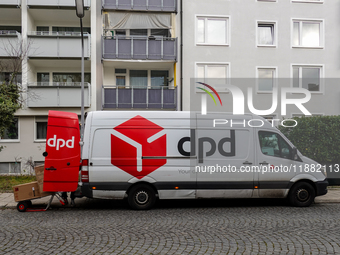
[(316, 137)]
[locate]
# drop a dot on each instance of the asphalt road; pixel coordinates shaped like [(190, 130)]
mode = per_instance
[(174, 227)]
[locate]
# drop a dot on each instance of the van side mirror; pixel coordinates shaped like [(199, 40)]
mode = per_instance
[(294, 154)]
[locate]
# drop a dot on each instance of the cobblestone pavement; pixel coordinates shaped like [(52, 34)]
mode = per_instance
[(174, 227)]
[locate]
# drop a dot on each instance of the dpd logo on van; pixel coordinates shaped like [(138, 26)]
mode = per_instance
[(138, 147)]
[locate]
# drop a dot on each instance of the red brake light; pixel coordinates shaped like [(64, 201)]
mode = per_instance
[(85, 162)]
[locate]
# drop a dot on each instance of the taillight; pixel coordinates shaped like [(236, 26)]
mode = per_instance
[(84, 170), (85, 162)]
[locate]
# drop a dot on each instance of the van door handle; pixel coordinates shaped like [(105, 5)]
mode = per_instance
[(264, 163), (51, 168), (247, 163)]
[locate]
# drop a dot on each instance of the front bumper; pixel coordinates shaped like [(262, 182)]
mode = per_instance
[(321, 187)]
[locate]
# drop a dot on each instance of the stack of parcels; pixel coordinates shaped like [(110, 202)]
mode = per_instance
[(31, 190)]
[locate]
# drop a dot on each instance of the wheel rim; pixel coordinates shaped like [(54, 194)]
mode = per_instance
[(21, 207), (142, 197), (302, 195)]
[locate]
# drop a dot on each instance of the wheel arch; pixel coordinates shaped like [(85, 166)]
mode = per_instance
[(142, 183)]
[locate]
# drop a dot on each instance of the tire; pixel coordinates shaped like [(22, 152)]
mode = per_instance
[(302, 194), (22, 206), (141, 197)]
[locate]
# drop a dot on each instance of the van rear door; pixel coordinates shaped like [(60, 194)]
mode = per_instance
[(63, 152)]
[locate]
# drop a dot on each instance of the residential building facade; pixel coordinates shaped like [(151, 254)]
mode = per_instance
[(150, 54)]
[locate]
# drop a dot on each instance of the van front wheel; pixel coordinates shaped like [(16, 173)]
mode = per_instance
[(302, 194), (141, 197)]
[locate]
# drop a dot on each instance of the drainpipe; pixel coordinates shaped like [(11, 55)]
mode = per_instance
[(181, 56)]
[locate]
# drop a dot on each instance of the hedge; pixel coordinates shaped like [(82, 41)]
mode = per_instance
[(316, 137)]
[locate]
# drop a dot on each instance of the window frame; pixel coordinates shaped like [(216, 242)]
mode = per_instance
[(308, 1), (322, 75), (216, 17), (301, 21), (205, 64), (12, 140), (275, 35), (36, 120), (275, 68)]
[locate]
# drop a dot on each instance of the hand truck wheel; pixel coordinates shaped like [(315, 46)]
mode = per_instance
[(22, 206)]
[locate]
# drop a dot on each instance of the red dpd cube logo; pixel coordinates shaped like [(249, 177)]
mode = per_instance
[(138, 137)]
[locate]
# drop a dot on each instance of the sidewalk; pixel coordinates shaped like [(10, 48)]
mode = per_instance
[(7, 199)]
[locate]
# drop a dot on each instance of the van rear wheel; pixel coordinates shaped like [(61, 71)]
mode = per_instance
[(141, 197), (302, 194)]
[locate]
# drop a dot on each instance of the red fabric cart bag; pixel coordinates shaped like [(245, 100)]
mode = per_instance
[(62, 162)]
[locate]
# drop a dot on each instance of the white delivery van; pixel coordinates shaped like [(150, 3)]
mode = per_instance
[(147, 155)]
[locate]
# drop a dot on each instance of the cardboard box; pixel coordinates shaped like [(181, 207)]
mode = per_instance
[(39, 173), (28, 191)]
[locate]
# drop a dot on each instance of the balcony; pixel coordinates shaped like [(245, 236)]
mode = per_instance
[(56, 3), (140, 47), (139, 97), (10, 43), (57, 94), (141, 5), (10, 3), (58, 44)]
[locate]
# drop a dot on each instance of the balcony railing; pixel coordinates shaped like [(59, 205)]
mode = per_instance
[(141, 5), (139, 47), (57, 94), (52, 33), (58, 3), (10, 43), (58, 44), (10, 3), (159, 97)]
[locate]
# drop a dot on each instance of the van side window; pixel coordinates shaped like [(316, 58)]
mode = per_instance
[(273, 144)]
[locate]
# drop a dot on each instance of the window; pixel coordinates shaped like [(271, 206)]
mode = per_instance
[(12, 132), (70, 29), (139, 78), (266, 34), (70, 78), (40, 128), (159, 78), (213, 74), (160, 33), (139, 32), (212, 71), (120, 77), (43, 79), (6, 77), (307, 77), (6, 29), (307, 33), (273, 144), (266, 79), (10, 167), (309, 1), (212, 30)]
